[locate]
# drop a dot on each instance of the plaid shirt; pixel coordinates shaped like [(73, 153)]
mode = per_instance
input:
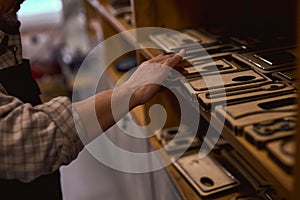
[(11, 43), (33, 140)]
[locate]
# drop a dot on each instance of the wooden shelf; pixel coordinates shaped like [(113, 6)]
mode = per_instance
[(258, 159), (177, 14), (118, 23), (277, 177), (296, 191), (185, 189)]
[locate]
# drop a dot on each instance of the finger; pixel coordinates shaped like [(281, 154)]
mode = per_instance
[(160, 58), (174, 60), (181, 70), (181, 53), (184, 63), (156, 58)]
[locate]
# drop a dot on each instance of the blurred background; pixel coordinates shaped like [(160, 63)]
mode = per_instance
[(54, 39), (57, 35)]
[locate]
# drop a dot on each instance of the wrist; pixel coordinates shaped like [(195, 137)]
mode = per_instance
[(129, 93)]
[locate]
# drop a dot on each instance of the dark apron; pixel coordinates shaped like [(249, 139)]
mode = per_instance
[(18, 82)]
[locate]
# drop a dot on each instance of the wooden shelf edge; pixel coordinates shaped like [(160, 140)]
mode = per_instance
[(281, 181), (185, 189), (103, 10), (277, 177), (118, 23)]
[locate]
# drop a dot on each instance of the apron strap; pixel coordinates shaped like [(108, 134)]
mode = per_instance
[(18, 82)]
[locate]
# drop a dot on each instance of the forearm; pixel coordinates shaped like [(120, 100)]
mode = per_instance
[(100, 112), (113, 104)]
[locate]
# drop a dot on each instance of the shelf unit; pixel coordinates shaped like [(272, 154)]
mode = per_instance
[(179, 14)]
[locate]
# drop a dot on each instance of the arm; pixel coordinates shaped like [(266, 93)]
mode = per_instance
[(38, 140), (35, 140), (112, 104)]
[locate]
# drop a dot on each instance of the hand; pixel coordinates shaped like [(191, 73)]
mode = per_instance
[(146, 80), (111, 105)]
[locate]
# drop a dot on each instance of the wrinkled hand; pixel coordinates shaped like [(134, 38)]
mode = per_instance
[(147, 79), (107, 107)]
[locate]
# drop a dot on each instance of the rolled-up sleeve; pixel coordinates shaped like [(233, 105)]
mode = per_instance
[(36, 140)]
